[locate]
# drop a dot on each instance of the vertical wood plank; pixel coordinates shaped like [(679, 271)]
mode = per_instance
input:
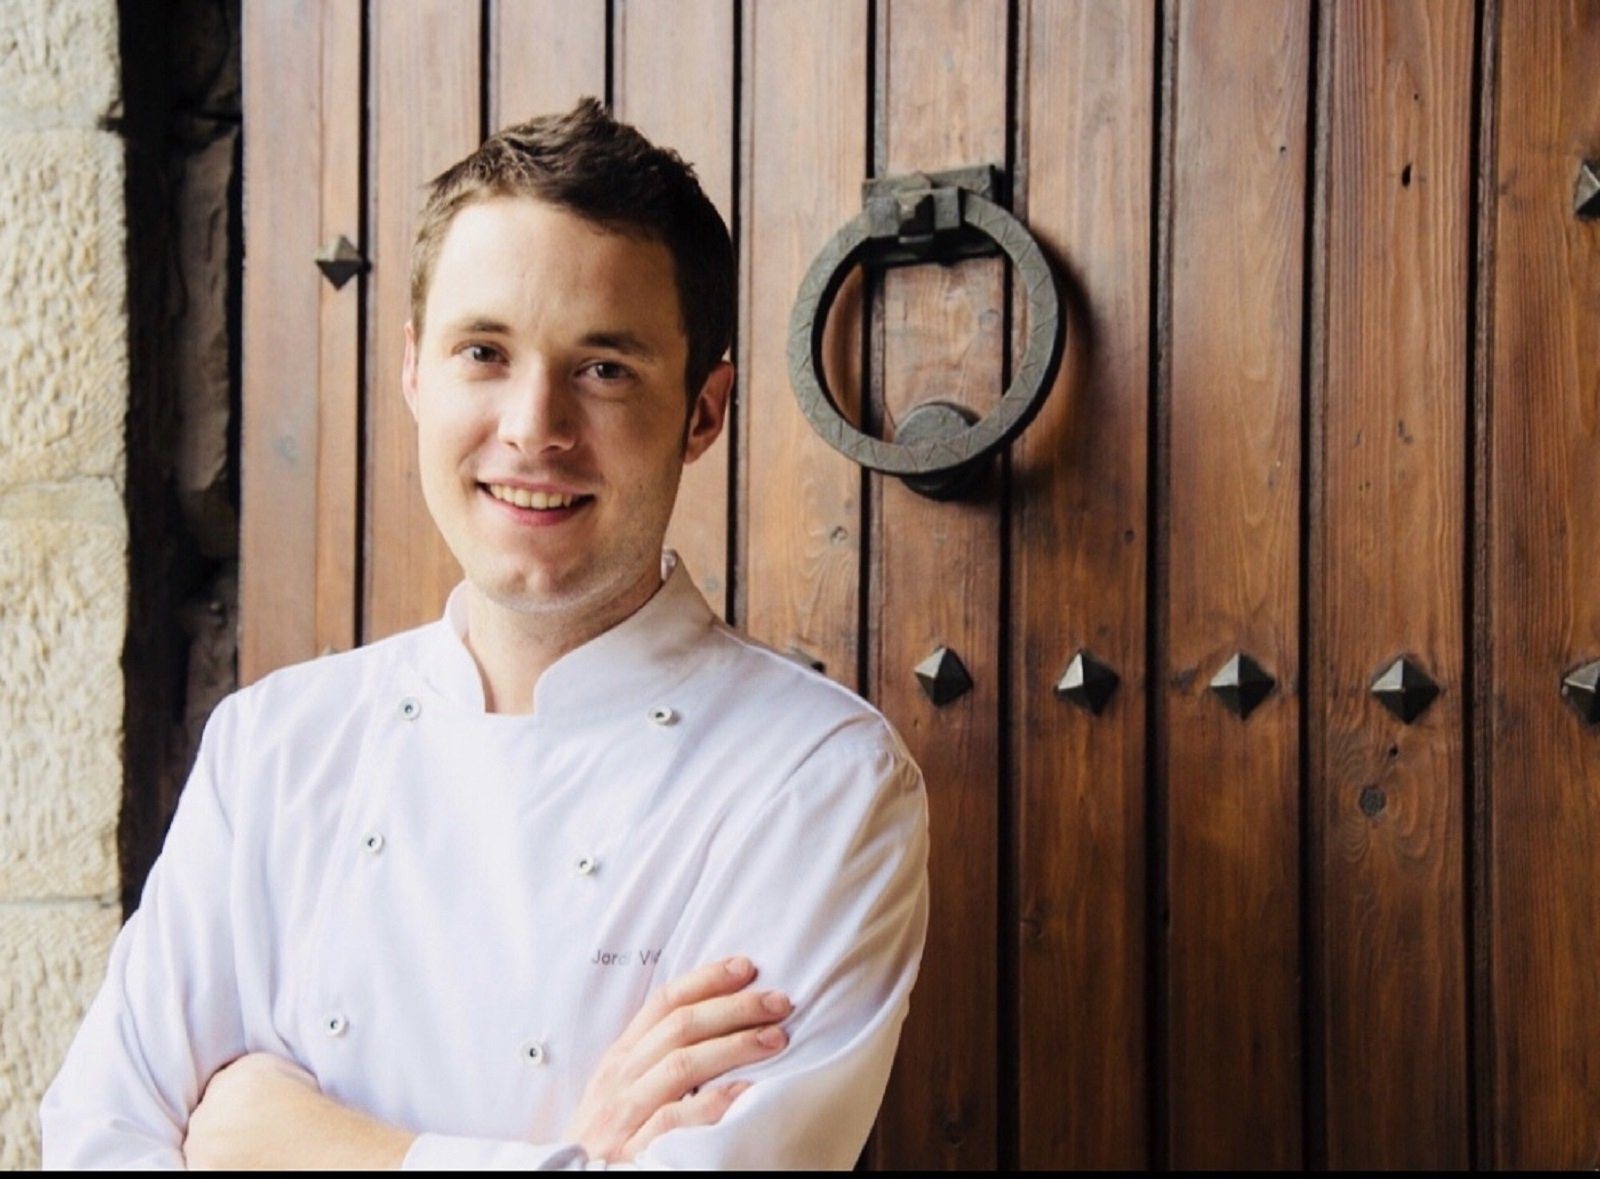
[(544, 56), (1543, 609), (805, 73), (339, 362), (1079, 530), (425, 116), (937, 583), (658, 45), (1232, 510), (1388, 536), (302, 169)]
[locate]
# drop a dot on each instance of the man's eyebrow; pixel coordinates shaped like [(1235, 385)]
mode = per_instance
[(624, 342), (469, 325)]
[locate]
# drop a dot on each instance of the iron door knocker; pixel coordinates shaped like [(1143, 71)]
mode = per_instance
[(936, 217)]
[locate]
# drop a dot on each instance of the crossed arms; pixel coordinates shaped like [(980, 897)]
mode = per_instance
[(264, 1113), (220, 987)]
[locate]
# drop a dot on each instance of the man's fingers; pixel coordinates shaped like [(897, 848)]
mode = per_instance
[(709, 1019), (686, 1035), (704, 1108), (726, 977), (685, 1069)]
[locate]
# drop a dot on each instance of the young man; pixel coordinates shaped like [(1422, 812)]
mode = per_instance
[(418, 900)]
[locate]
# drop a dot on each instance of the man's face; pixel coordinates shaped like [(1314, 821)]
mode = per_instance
[(552, 419)]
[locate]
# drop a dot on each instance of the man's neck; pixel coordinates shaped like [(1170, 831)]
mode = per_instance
[(513, 648)]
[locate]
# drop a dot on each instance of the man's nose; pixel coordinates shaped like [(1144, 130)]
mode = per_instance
[(539, 412)]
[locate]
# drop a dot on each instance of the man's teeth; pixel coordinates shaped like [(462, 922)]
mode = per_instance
[(539, 501)]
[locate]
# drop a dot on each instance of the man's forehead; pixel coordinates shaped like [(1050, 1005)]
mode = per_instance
[(505, 213), (506, 258)]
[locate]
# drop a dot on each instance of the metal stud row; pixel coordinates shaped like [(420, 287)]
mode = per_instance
[(1404, 687)]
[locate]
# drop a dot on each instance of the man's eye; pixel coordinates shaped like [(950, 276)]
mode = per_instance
[(608, 370), (482, 354)]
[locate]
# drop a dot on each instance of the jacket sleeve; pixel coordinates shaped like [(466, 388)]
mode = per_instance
[(167, 1015), (824, 887)]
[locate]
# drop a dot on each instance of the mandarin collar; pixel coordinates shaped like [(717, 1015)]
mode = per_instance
[(646, 653)]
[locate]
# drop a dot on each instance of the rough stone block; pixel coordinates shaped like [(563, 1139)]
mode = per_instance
[(52, 958), (63, 616), (63, 305), (59, 61)]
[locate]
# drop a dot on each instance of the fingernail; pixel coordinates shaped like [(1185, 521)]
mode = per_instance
[(738, 967), (737, 1088), (776, 1003), (772, 1037)]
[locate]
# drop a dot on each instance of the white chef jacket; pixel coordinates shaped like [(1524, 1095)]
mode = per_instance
[(448, 915)]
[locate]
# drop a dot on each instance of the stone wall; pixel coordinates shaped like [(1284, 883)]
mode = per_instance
[(64, 583), (119, 280)]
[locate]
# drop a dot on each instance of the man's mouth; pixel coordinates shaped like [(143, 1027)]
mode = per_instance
[(539, 501)]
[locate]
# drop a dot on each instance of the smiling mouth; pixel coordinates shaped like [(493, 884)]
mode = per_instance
[(538, 501)]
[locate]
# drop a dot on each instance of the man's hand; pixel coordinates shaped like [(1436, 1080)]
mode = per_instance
[(656, 1076), (263, 1113)]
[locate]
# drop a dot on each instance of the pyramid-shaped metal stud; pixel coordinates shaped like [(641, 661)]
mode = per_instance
[(1581, 688), (943, 676), (340, 261), (1088, 683), (805, 658), (1586, 196), (1242, 684), (1405, 689)]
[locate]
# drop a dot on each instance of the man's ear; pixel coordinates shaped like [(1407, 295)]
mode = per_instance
[(408, 370), (709, 411)]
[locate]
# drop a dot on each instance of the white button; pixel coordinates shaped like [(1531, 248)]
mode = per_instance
[(587, 864), (662, 715), (411, 708), (335, 1025), (533, 1053), (373, 842)]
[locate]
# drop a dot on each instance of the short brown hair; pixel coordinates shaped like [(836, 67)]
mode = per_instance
[(586, 162)]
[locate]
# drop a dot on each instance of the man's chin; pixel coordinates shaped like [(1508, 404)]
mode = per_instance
[(540, 592)]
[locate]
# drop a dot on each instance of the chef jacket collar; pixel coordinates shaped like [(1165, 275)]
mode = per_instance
[(619, 670)]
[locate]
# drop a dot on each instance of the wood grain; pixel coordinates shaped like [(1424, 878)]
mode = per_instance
[(1079, 539), (1232, 505), (800, 542), (1543, 610), (339, 336), (544, 56), (302, 168), (942, 87), (1262, 1008), (1388, 545), (658, 45), (425, 116)]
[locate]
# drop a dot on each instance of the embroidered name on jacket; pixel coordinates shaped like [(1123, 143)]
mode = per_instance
[(625, 957)]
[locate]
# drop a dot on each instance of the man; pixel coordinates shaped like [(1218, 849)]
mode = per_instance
[(418, 899)]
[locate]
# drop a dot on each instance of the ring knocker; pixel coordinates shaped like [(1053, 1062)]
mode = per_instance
[(937, 217)]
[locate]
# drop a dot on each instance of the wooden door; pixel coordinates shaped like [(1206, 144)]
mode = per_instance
[(1330, 413)]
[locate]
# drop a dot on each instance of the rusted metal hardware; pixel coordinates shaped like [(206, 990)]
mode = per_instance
[(1586, 195), (804, 658), (1088, 683), (340, 261), (1405, 689), (930, 217), (943, 676), (917, 217), (1242, 684), (1580, 687)]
